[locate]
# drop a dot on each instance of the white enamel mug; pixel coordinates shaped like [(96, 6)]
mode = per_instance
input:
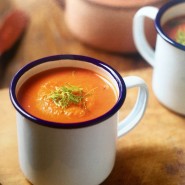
[(73, 154), (168, 58)]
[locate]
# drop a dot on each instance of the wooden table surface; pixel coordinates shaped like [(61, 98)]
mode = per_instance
[(152, 154)]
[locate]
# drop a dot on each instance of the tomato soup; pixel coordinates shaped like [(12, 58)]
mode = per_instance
[(175, 29), (67, 95)]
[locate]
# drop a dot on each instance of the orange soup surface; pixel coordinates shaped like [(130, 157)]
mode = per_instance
[(67, 95), (175, 29)]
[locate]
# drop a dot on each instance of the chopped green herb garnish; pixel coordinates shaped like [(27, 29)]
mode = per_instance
[(181, 37), (67, 95)]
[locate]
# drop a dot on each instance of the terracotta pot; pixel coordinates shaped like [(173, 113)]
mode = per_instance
[(107, 24)]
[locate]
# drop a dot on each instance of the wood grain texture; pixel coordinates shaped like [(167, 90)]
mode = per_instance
[(153, 153)]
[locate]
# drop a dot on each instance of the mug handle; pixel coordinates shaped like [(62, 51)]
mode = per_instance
[(139, 108), (139, 36)]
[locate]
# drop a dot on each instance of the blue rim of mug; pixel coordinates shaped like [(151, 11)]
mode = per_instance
[(158, 26), (119, 80)]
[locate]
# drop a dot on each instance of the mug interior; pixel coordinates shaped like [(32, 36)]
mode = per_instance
[(167, 12), (78, 61)]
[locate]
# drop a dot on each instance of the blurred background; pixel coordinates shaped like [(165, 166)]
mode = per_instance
[(37, 28)]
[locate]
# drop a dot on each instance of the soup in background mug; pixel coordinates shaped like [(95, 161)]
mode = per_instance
[(79, 152), (175, 29)]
